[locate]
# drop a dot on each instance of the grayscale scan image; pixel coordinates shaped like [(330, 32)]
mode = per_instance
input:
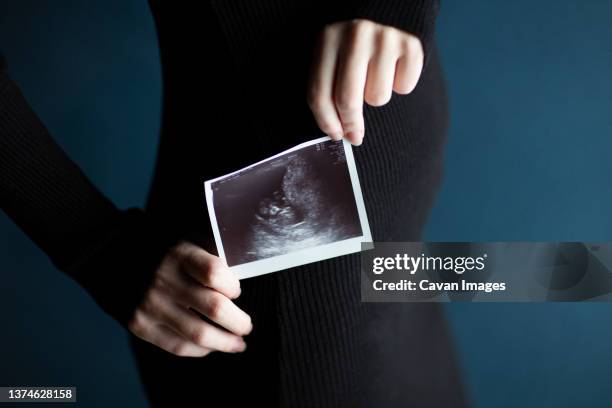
[(299, 200)]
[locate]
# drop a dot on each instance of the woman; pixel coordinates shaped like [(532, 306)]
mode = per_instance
[(244, 80)]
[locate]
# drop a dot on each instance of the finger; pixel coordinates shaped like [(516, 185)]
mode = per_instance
[(350, 81), (196, 330), (164, 338), (408, 68), (381, 70), (320, 88), (181, 288), (217, 308), (209, 270)]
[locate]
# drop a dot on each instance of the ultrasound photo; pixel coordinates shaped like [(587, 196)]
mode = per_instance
[(292, 203)]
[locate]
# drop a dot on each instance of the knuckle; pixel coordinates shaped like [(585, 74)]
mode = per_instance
[(151, 303), (147, 304), (215, 306), (179, 349), (388, 33), (359, 27), (412, 46), (216, 264), (385, 36), (181, 253), (136, 323), (178, 251), (413, 41), (212, 270), (207, 274), (347, 101), (158, 283), (200, 336), (331, 28)]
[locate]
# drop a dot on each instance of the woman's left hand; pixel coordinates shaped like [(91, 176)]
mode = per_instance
[(357, 61)]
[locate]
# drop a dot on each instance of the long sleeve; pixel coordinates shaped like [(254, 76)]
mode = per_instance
[(417, 17), (111, 253)]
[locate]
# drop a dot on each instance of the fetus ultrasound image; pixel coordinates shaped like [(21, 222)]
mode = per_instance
[(302, 199)]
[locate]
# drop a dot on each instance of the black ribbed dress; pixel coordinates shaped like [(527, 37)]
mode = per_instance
[(234, 77)]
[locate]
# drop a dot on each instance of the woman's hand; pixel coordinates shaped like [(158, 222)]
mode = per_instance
[(190, 277), (355, 61)]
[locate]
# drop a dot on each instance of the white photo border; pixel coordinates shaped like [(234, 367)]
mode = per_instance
[(306, 255)]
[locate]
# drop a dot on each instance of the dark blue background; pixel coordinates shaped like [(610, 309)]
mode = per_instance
[(527, 160)]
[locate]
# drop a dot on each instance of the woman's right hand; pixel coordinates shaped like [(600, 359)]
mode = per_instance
[(190, 277)]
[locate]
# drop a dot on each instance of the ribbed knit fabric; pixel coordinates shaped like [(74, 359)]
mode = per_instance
[(41, 187), (111, 253), (314, 344), (414, 16)]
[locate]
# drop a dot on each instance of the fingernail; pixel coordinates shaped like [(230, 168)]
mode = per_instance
[(239, 347), (356, 137)]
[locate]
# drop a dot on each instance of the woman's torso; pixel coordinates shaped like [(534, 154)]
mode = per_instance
[(234, 79)]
